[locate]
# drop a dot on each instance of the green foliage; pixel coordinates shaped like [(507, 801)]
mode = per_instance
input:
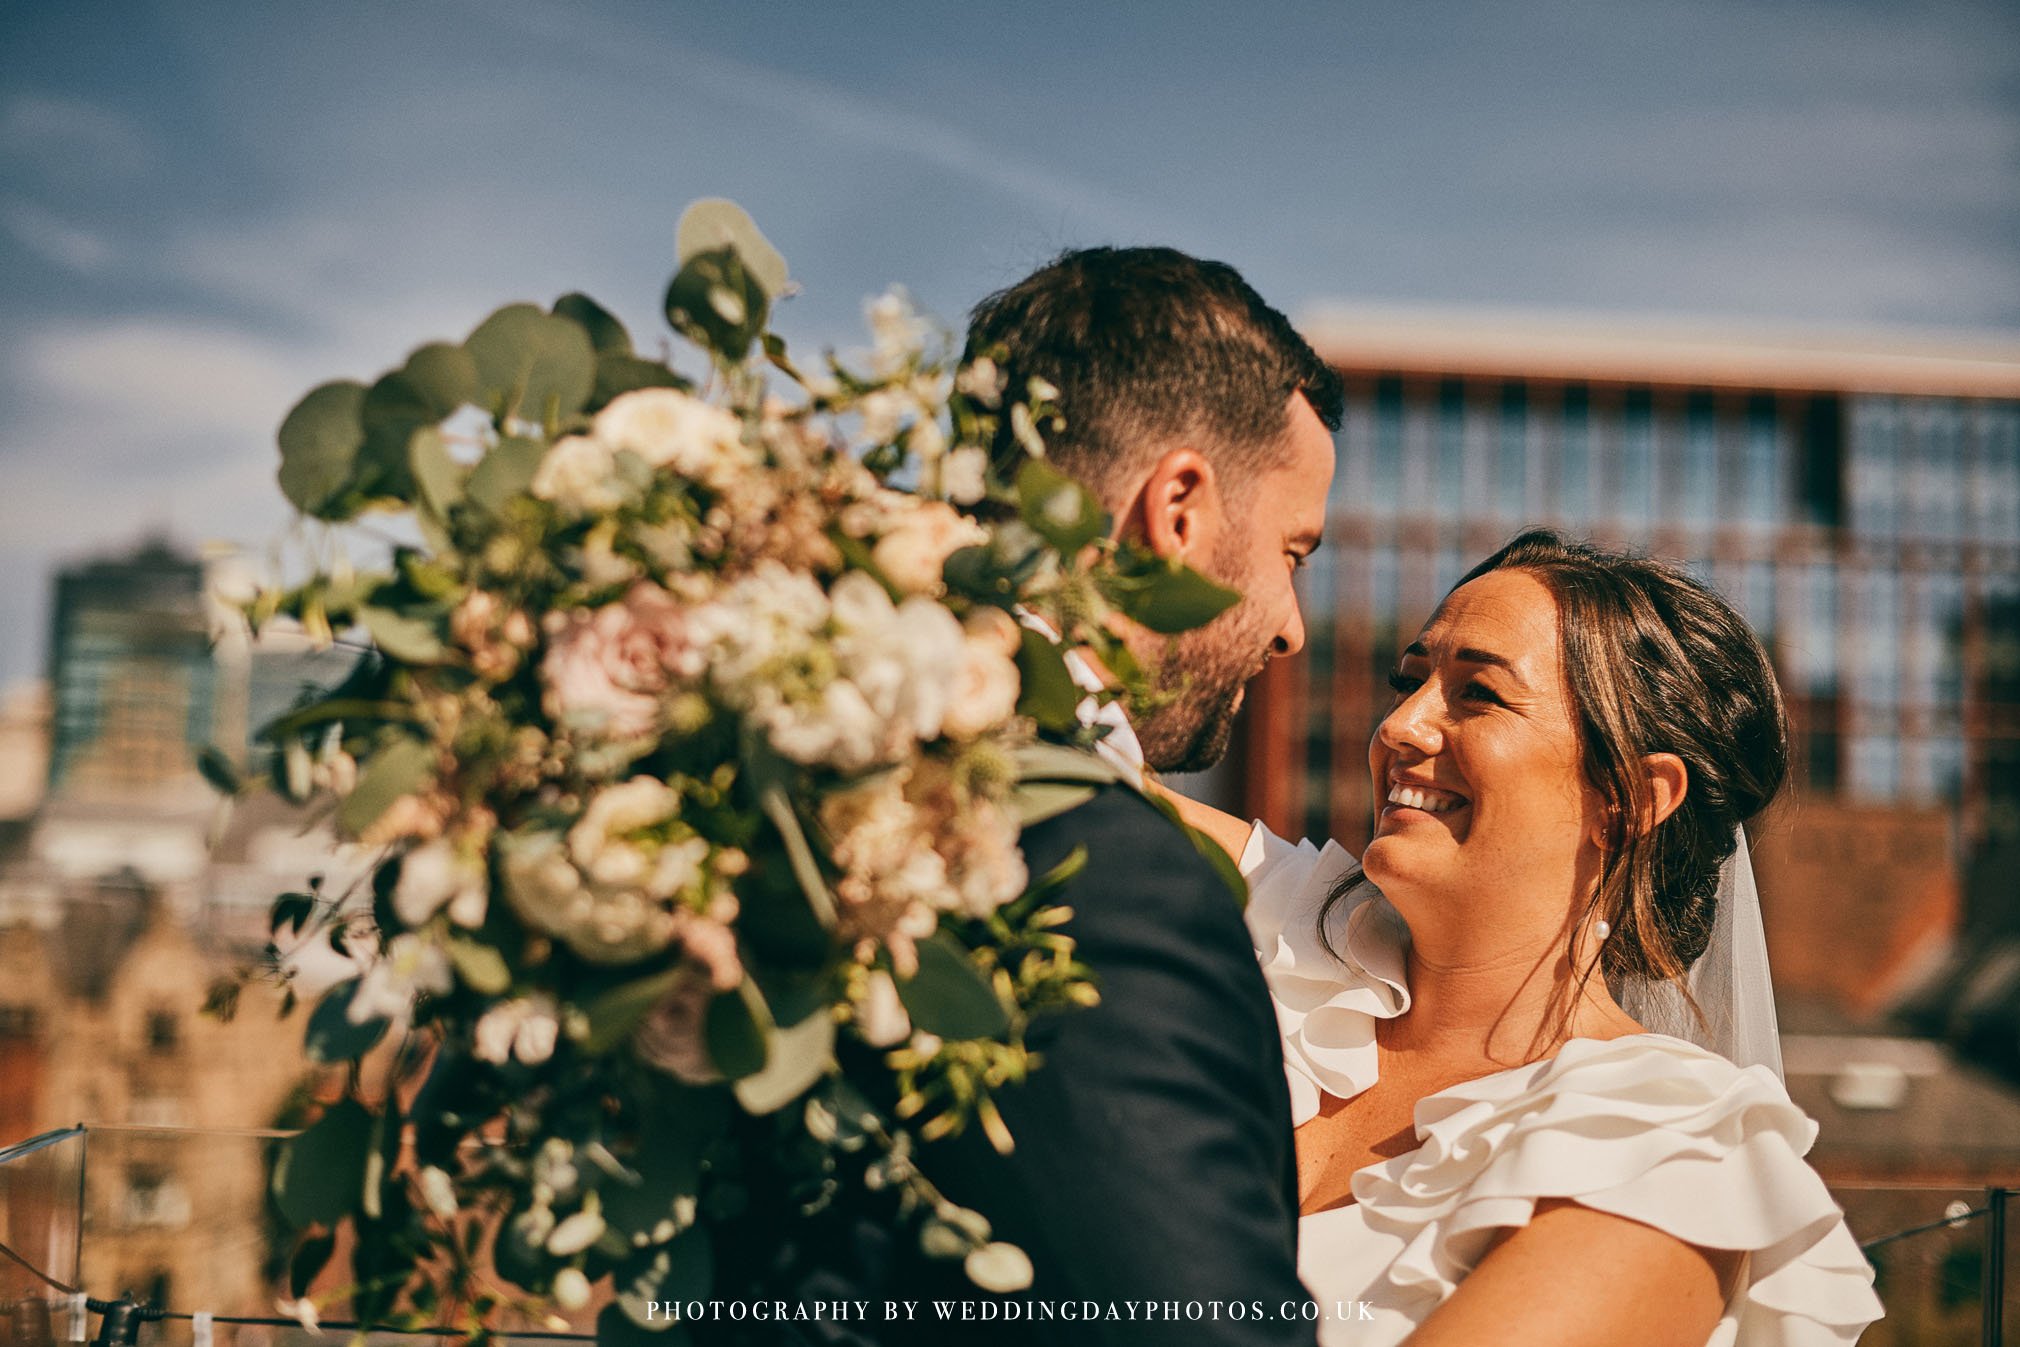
[(1059, 509), (531, 365), (320, 1175), (1048, 694), (319, 443), (400, 768), (948, 997), (606, 335), (1165, 595), (332, 1036), (505, 473), (533, 968), (738, 1030), (713, 224)]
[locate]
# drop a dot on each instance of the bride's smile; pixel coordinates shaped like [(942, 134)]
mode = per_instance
[(1478, 763)]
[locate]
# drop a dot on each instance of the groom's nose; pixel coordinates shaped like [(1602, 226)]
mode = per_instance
[(1291, 638)]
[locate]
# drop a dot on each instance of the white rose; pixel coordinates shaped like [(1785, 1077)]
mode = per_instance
[(579, 475), (538, 1032), (678, 866), (524, 1027), (597, 841), (411, 967), (984, 694), (964, 475), (896, 329), (434, 875), (913, 553), (669, 428)]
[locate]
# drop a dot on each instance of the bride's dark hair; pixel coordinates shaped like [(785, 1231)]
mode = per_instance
[(1655, 662)]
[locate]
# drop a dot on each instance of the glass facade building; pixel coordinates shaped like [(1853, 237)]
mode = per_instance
[(130, 670), (1859, 502)]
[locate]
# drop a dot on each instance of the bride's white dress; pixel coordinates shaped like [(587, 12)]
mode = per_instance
[(1648, 1127)]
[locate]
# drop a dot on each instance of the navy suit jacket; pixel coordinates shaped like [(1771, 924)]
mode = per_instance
[(1153, 1160)]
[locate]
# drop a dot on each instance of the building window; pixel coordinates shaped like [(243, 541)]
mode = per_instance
[(1637, 458), (1512, 461)]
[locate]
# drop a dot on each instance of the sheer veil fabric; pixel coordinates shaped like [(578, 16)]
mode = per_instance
[(1730, 981)]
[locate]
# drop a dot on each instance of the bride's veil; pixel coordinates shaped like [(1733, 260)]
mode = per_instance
[(1730, 981)]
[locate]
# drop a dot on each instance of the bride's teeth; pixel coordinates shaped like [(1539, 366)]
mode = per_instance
[(1411, 798)]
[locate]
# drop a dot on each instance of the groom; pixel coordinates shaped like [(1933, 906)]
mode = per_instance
[(1153, 1160)]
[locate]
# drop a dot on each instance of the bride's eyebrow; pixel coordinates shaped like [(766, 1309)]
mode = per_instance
[(1468, 655), (1474, 655)]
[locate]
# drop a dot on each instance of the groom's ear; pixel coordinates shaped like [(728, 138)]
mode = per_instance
[(1178, 508)]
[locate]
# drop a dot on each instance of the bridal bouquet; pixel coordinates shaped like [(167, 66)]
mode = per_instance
[(690, 745)]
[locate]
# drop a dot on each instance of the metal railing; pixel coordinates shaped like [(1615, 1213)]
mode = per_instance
[(172, 1225)]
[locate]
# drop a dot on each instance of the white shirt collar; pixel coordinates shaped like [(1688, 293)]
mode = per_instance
[(1119, 747)]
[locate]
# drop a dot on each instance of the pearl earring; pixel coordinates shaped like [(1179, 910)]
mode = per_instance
[(1601, 928)]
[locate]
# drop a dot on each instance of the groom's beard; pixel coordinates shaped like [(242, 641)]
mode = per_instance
[(1206, 669)]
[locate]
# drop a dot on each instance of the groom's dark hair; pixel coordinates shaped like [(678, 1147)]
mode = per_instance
[(1147, 346)]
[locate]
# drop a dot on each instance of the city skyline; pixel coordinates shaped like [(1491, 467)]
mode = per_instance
[(211, 206)]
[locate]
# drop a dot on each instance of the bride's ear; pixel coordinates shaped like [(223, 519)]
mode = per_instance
[(1668, 783)]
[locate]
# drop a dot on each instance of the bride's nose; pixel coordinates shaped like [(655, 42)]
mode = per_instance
[(1414, 724)]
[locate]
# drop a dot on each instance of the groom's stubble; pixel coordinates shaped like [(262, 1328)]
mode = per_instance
[(1203, 671)]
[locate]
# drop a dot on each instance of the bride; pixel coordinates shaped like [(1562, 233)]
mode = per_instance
[(1493, 1145)]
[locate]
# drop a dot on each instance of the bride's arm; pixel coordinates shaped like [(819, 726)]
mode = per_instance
[(1575, 1276), (1227, 830)]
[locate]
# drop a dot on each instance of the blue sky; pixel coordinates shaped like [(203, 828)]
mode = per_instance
[(207, 206)]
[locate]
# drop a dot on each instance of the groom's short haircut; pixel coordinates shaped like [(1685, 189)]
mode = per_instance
[(1150, 347)]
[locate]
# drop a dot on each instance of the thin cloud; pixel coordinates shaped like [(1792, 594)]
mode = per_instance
[(70, 133), (54, 239), (827, 110)]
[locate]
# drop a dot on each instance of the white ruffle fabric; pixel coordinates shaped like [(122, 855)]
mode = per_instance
[(1648, 1127)]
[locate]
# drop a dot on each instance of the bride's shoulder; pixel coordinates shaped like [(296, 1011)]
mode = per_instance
[(1646, 1127), (1290, 881)]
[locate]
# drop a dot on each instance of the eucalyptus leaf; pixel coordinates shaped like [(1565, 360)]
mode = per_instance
[(505, 473), (531, 364), (606, 334), (1032, 802), (1059, 509), (443, 377), (948, 995), (1042, 761), (400, 768), (800, 1055), (715, 222), (737, 1028), (320, 1174), (614, 1014), (407, 637), (1047, 692), (676, 1124), (439, 477), (219, 770), (618, 374), (1169, 597), (482, 968), (319, 443), (714, 301), (332, 1036)]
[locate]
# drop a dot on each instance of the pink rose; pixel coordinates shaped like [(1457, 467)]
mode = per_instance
[(606, 670)]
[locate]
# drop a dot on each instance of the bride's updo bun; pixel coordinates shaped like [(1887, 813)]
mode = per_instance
[(1658, 662)]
